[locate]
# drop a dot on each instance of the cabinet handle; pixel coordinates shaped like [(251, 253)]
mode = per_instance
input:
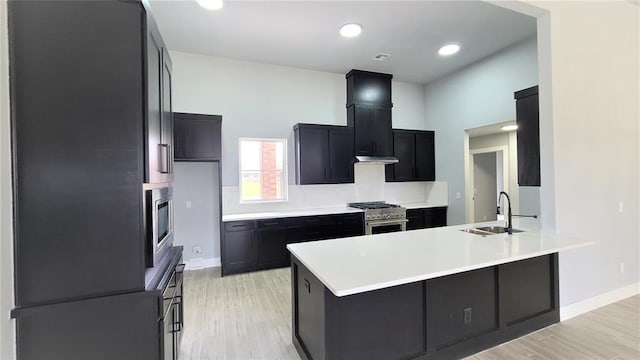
[(164, 158), (307, 285), (314, 233), (270, 223), (325, 173)]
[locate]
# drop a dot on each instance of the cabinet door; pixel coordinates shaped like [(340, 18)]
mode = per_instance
[(271, 247), (425, 168), (404, 150), (341, 155), (415, 218), (179, 137), (435, 217), (239, 251), (528, 134), (154, 106), (314, 153), (363, 130), (167, 118), (381, 131), (197, 136)]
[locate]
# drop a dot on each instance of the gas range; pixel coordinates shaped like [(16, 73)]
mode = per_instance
[(382, 217)]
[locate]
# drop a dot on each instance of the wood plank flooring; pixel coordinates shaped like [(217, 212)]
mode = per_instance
[(248, 316)]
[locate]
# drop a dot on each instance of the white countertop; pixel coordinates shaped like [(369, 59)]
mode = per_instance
[(312, 212), (290, 213), (363, 263)]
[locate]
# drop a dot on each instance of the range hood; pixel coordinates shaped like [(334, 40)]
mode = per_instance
[(369, 114), (377, 159)]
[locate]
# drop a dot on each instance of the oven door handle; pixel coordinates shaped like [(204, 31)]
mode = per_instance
[(387, 222)]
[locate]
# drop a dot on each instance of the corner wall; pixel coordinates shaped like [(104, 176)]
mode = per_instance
[(7, 328), (480, 94), (589, 111)]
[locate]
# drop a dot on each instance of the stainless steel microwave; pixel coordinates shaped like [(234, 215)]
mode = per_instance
[(159, 223)]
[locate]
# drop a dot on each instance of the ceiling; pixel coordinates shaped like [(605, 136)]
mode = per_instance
[(305, 34)]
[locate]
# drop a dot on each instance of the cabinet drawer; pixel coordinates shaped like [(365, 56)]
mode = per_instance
[(320, 220), (231, 226), (271, 223)]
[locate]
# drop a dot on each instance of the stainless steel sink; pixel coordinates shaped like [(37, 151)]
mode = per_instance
[(489, 230), (497, 229)]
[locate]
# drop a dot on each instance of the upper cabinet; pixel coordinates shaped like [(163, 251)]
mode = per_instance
[(372, 130), (528, 134), (91, 106), (369, 112), (159, 154), (324, 154), (415, 152), (197, 137), (368, 88)]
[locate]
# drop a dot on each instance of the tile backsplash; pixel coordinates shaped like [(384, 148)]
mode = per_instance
[(369, 186)]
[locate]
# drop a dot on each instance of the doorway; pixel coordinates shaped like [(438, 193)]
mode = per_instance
[(488, 181)]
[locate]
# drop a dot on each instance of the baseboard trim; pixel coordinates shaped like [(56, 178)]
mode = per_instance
[(581, 307), (201, 263)]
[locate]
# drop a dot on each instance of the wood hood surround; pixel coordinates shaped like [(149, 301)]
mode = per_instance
[(369, 114)]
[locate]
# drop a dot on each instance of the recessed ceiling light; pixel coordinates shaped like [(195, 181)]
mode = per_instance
[(211, 4), (509, 127), (350, 30), (449, 49)]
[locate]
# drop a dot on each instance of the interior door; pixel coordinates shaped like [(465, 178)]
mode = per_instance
[(485, 187)]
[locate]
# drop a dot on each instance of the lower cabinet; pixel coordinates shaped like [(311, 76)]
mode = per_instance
[(138, 325), (423, 218), (447, 317), (253, 245)]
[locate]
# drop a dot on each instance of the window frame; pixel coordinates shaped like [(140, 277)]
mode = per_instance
[(285, 175)]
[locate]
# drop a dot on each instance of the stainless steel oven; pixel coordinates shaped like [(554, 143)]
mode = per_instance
[(159, 221), (380, 217), (385, 226)]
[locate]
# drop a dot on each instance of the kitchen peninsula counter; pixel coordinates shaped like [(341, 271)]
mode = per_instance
[(363, 263), (436, 293)]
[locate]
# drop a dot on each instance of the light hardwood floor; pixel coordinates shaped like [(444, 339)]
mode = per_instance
[(248, 316)]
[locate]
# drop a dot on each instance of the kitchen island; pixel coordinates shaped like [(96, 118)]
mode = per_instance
[(429, 294)]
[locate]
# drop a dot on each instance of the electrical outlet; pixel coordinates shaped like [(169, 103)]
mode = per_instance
[(188, 204), (621, 206), (621, 268), (467, 315), (457, 195), (197, 250)]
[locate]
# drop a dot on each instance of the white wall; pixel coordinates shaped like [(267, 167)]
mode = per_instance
[(7, 334), (479, 95), (261, 100), (590, 159), (199, 224)]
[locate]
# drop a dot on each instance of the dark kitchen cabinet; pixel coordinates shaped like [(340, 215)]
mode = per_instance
[(324, 154), (372, 130), (251, 245), (197, 137), (159, 129), (424, 218), (415, 151), (528, 136), (238, 247), (91, 124), (271, 243), (368, 88)]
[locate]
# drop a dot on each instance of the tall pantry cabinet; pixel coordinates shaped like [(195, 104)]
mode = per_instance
[(91, 123)]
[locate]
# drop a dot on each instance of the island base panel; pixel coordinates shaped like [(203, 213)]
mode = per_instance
[(447, 317)]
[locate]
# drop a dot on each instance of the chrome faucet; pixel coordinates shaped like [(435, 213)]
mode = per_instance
[(509, 227)]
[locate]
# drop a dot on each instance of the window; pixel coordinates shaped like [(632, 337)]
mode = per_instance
[(263, 169)]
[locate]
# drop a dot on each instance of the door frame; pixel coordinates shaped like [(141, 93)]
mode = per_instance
[(468, 174)]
